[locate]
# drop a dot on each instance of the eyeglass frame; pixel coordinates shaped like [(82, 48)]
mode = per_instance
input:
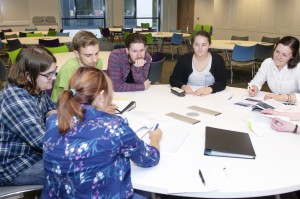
[(49, 75)]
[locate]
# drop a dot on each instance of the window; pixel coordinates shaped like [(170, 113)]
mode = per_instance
[(142, 11), (82, 14)]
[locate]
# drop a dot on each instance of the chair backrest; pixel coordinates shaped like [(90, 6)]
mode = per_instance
[(272, 40), (51, 33), (52, 29), (149, 38), (13, 55), (242, 38), (145, 25), (176, 39), (38, 34), (208, 28), (263, 52), (175, 30), (14, 191), (154, 74), (10, 36), (105, 32), (6, 30), (14, 44), (3, 71), (49, 43), (243, 53), (198, 27), (62, 34), (157, 56), (23, 34), (2, 35), (60, 49)]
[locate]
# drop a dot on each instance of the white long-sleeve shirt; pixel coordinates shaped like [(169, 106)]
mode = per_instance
[(284, 81)]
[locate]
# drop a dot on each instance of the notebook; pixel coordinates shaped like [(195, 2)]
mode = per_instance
[(227, 143)]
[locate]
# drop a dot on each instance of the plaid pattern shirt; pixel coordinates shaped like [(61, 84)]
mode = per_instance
[(22, 124), (119, 67)]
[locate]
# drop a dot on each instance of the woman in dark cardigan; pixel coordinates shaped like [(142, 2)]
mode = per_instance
[(200, 72)]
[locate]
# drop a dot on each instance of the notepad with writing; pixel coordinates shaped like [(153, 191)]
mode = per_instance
[(227, 143)]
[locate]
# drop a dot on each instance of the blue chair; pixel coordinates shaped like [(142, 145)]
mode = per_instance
[(242, 56), (62, 34), (176, 42)]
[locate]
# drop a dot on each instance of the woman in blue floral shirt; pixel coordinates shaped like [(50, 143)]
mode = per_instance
[(87, 151)]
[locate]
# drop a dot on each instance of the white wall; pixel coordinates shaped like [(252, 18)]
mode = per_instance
[(255, 18), (18, 13)]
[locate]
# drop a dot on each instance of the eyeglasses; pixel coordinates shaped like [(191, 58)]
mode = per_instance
[(49, 75)]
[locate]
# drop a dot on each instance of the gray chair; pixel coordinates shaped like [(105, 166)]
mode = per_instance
[(272, 40), (242, 38), (155, 71), (17, 191), (262, 52), (62, 34), (3, 71)]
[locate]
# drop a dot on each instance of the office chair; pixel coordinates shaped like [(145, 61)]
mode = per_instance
[(176, 41), (270, 39), (49, 43), (262, 52), (60, 49), (242, 56), (242, 38), (13, 54), (155, 70), (14, 44)]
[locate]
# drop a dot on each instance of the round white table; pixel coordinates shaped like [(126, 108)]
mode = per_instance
[(35, 40), (275, 170)]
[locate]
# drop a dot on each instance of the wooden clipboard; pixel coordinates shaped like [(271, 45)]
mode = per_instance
[(183, 118), (204, 110)]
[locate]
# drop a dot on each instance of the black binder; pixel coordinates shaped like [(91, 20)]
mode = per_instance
[(226, 143)]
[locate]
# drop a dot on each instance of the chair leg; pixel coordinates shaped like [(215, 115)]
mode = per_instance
[(231, 74)]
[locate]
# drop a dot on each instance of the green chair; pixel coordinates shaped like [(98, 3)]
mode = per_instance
[(145, 25), (39, 34), (51, 33), (13, 55), (208, 28), (126, 34), (61, 49), (198, 27)]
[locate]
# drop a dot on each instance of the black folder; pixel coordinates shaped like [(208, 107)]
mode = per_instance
[(226, 143)]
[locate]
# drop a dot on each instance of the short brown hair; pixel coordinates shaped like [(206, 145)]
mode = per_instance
[(31, 61), (84, 38), (203, 34), (85, 85), (135, 38)]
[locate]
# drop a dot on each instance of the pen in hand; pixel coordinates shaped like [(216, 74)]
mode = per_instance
[(201, 176), (250, 88)]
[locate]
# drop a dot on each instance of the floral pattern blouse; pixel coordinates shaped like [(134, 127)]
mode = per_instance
[(92, 160)]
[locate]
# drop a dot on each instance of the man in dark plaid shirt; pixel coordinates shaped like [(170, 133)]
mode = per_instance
[(24, 108), (128, 67)]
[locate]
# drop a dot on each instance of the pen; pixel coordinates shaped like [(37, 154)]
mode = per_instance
[(229, 98), (201, 176), (156, 126), (250, 87)]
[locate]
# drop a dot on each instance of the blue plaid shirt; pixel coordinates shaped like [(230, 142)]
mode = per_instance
[(22, 124)]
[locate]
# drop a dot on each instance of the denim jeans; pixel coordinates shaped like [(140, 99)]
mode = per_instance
[(34, 175)]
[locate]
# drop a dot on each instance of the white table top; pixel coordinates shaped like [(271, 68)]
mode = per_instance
[(275, 169), (35, 40), (229, 44), (62, 58)]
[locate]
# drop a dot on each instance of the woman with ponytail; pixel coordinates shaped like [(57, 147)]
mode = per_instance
[(87, 151)]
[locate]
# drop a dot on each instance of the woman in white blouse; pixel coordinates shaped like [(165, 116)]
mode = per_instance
[(282, 72)]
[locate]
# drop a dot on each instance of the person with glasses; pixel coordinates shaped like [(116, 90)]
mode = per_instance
[(128, 67), (24, 109), (87, 151), (281, 72)]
